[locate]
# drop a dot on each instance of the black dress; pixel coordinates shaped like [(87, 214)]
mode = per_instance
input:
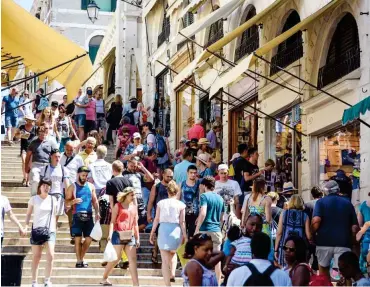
[(114, 117)]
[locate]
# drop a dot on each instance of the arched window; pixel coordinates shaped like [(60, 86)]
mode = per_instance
[(186, 21), (166, 29), (344, 52), (291, 49), (104, 5), (94, 45), (250, 38), (216, 31)]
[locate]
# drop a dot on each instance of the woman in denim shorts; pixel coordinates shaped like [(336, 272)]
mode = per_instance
[(43, 206), (124, 219)]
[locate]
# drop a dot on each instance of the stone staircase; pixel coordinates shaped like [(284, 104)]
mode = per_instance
[(64, 271)]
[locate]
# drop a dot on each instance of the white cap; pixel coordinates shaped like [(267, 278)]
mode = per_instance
[(136, 135), (223, 167)]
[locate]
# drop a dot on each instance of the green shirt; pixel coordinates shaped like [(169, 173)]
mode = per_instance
[(215, 206)]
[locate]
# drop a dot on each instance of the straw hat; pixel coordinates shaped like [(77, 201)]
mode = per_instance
[(29, 117), (203, 157), (288, 187), (203, 141)]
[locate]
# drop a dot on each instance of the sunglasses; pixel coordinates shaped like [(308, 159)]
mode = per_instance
[(290, 249), (125, 135)]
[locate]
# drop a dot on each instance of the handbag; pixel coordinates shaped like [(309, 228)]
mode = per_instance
[(84, 216), (41, 235), (125, 236)]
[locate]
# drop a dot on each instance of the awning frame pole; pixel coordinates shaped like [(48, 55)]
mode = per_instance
[(218, 56), (244, 73), (43, 72), (311, 85), (267, 115), (10, 58), (233, 104), (12, 64), (48, 94)]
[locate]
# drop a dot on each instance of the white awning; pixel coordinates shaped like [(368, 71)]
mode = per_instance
[(195, 4), (223, 12), (148, 7), (236, 73), (173, 6)]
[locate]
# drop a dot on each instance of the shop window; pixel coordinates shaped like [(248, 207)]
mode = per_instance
[(185, 110), (210, 111), (291, 49), (243, 126), (104, 5), (250, 38), (340, 150), (94, 45), (165, 32), (286, 148), (162, 104), (344, 52)]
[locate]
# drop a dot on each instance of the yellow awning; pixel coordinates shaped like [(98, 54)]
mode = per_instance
[(224, 41), (236, 72), (42, 47)]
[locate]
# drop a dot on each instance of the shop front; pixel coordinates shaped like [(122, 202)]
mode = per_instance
[(284, 147), (185, 111), (162, 106)]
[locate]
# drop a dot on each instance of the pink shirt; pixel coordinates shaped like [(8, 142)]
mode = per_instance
[(91, 110), (196, 132)]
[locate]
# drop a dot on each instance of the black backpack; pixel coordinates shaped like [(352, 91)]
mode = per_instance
[(259, 279), (130, 115)]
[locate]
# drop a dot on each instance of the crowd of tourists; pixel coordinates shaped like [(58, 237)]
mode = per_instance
[(227, 223)]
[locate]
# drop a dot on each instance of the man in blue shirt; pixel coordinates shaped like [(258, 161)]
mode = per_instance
[(210, 215), (335, 224), (181, 169), (10, 104)]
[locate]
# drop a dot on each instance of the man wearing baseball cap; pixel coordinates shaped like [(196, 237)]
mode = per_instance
[(81, 197), (335, 224)]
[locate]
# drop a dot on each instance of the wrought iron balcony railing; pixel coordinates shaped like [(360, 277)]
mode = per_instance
[(285, 57), (247, 46)]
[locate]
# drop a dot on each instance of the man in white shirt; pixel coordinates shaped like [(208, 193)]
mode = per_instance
[(7, 209), (248, 275), (101, 170), (71, 162), (229, 190), (56, 173)]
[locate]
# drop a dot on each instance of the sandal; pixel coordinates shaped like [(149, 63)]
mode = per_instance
[(24, 182), (106, 283), (154, 256)]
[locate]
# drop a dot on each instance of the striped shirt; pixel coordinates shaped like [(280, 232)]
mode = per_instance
[(243, 252)]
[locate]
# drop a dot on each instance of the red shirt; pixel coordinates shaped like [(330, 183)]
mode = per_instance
[(196, 132), (131, 129)]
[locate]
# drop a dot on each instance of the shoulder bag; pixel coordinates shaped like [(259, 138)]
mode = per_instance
[(125, 236)]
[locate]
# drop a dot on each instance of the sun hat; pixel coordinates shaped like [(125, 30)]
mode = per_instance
[(203, 141), (288, 187), (29, 117), (203, 157), (235, 156)]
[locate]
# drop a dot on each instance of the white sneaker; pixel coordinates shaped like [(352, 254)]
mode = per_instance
[(48, 284), (35, 285)]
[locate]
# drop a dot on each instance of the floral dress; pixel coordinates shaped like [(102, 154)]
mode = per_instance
[(208, 278)]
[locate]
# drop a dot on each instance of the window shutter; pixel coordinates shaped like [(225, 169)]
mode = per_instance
[(84, 4), (113, 5)]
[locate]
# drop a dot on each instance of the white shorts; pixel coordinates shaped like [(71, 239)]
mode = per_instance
[(35, 176), (326, 253)]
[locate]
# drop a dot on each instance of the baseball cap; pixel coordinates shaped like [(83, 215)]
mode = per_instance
[(330, 187), (83, 169), (223, 167), (136, 135)]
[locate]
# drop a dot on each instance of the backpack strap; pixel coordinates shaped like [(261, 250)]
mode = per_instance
[(45, 170), (269, 270), (253, 270)]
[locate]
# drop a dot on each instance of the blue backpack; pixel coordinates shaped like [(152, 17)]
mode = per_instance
[(44, 102), (161, 145)]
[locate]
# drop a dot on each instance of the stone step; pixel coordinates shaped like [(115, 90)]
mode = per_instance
[(91, 271), (22, 218), (145, 258), (95, 280), (59, 241), (67, 249), (13, 168), (11, 183), (12, 179), (13, 233), (14, 189)]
